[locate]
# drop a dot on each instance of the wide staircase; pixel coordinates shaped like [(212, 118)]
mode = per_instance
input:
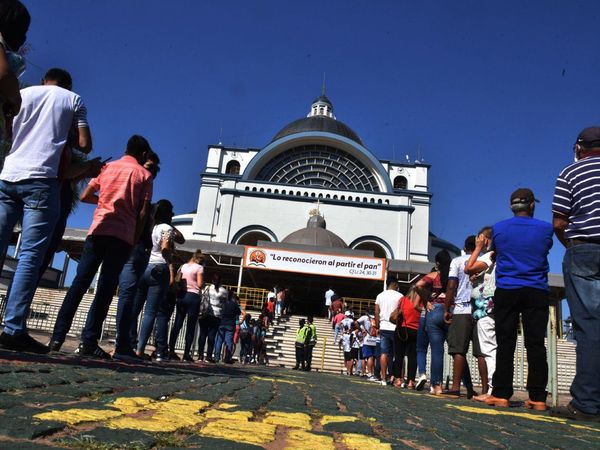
[(327, 357), (281, 351)]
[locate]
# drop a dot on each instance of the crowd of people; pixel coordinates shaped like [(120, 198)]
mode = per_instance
[(475, 299)]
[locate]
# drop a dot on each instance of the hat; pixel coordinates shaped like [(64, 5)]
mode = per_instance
[(335, 297), (347, 313), (522, 196), (589, 137)]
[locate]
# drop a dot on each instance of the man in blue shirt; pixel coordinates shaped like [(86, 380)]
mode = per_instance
[(522, 244), (576, 220)]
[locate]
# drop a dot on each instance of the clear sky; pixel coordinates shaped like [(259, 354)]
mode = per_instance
[(491, 94)]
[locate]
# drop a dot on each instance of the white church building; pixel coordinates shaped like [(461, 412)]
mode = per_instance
[(316, 163)]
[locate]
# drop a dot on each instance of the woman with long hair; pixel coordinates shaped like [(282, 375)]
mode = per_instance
[(435, 326), (155, 281), (188, 306)]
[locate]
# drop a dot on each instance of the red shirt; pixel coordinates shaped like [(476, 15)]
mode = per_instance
[(338, 318), (411, 315), (124, 186)]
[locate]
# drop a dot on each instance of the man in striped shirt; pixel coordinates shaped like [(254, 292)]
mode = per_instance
[(576, 221)]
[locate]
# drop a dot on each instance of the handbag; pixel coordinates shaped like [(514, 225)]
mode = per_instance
[(180, 285), (204, 302), (397, 317)]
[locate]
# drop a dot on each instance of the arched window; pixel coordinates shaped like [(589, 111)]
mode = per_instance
[(277, 191), (379, 201), (284, 192), (233, 167), (343, 197), (268, 191), (400, 182), (247, 188), (335, 197), (262, 190), (253, 189), (328, 196)]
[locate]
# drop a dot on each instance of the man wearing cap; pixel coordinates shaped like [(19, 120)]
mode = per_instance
[(522, 244), (576, 220)]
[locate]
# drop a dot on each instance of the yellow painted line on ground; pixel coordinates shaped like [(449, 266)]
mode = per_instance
[(505, 412), (234, 430), (75, 416), (227, 406), (275, 380), (228, 415), (355, 441), (301, 440), (337, 419), (286, 419), (169, 416), (131, 405)]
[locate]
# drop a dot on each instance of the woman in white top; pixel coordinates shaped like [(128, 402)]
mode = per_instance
[(155, 281), (188, 306)]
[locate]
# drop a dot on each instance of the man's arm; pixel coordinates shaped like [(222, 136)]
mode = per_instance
[(450, 294), (141, 220), (376, 315), (473, 266), (559, 223), (84, 139), (89, 195)]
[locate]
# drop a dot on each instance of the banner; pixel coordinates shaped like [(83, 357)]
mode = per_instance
[(314, 263)]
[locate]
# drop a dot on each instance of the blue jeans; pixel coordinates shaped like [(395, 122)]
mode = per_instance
[(188, 306), (581, 269), (36, 202), (422, 345), (112, 254), (209, 326), (128, 283), (152, 288), (437, 331), (224, 336)]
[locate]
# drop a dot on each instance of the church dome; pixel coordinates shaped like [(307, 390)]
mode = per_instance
[(315, 235), (318, 123), (319, 118)]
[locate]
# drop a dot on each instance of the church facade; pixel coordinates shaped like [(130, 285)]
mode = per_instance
[(316, 163)]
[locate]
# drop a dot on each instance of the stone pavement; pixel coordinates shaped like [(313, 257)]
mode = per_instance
[(69, 402)]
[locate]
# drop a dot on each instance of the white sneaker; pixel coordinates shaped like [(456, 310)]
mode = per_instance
[(421, 382), (383, 383), (373, 378)]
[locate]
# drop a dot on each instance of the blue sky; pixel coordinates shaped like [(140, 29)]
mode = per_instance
[(492, 94)]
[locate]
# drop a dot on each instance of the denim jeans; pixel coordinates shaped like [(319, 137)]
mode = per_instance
[(36, 202), (422, 346), (188, 306), (246, 349), (437, 331), (209, 326), (112, 253), (161, 327), (224, 336), (128, 283), (532, 305), (152, 288), (581, 269)]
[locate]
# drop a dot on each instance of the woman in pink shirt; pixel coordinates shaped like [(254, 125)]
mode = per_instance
[(188, 306)]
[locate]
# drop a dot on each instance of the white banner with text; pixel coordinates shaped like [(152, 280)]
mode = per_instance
[(314, 263)]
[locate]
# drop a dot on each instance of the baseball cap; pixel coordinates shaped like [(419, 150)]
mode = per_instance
[(347, 313), (589, 137), (522, 195)]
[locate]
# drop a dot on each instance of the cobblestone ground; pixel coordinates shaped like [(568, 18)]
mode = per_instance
[(68, 402)]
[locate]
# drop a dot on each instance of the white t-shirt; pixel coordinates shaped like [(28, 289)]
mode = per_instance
[(365, 323), (462, 301), (388, 302), (217, 298), (40, 132), (328, 294), (485, 284), (159, 232), (346, 344)]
